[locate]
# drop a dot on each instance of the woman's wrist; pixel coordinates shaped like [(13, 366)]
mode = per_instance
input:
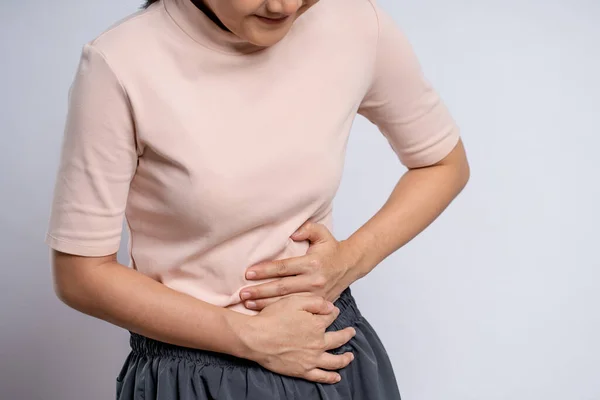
[(238, 325), (357, 264)]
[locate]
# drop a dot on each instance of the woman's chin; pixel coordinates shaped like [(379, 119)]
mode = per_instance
[(266, 37)]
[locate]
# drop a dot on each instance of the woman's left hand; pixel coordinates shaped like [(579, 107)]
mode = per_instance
[(326, 270)]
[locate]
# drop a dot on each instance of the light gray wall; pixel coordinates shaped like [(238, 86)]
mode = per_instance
[(497, 300)]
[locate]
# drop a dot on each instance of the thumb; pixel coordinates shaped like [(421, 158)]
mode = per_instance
[(316, 305), (311, 231)]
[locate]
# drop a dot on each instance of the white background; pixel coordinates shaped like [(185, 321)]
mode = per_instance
[(497, 300)]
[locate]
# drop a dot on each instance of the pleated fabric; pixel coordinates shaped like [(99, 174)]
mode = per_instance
[(160, 371)]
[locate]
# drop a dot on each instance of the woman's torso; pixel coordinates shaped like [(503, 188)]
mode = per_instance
[(236, 150)]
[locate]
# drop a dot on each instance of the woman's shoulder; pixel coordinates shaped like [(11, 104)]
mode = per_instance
[(353, 19), (350, 25), (346, 8), (130, 35)]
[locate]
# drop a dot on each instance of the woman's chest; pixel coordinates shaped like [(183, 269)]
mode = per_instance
[(263, 144)]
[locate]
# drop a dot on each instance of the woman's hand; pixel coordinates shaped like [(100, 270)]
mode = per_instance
[(289, 337), (326, 270)]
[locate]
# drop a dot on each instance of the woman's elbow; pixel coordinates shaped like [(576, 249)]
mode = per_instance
[(71, 277), (456, 162), (464, 172), (64, 281)]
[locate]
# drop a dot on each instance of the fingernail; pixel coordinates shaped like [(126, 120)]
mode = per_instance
[(250, 275), (251, 304), (245, 295), (351, 356), (338, 378), (330, 306)]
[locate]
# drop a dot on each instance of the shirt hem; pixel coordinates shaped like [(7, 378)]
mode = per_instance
[(442, 149), (79, 249)]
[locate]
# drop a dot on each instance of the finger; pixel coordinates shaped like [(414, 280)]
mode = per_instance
[(320, 376), (278, 268), (336, 339), (312, 231), (334, 362), (259, 304), (278, 287), (328, 319), (314, 304)]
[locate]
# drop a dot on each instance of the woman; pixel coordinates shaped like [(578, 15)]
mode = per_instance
[(218, 128)]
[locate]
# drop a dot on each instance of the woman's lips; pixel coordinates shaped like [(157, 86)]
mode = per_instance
[(272, 21)]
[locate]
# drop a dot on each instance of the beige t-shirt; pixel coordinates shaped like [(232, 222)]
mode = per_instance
[(216, 151)]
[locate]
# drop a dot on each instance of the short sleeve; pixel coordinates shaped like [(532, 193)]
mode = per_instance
[(403, 104), (98, 160)]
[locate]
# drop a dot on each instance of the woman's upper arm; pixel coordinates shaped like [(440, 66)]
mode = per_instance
[(98, 160), (403, 104)]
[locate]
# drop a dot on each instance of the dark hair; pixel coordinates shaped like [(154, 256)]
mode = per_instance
[(149, 2)]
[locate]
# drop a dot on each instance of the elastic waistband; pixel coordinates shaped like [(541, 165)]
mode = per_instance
[(147, 347)]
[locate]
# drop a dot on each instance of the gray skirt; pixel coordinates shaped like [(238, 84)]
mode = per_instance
[(160, 371)]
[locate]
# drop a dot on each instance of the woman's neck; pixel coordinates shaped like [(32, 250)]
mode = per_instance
[(209, 13)]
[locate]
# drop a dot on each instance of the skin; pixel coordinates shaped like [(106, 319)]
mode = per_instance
[(288, 335)]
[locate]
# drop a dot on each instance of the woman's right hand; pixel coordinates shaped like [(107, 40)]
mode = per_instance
[(289, 337)]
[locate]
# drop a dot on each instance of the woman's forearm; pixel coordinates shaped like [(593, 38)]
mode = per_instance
[(105, 289), (417, 200)]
